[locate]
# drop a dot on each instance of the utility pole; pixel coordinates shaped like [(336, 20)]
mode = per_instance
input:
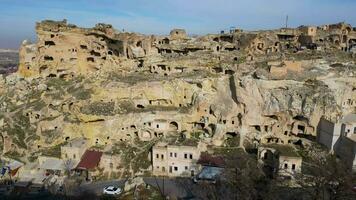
[(287, 21)]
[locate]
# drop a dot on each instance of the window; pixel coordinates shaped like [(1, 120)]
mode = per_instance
[(163, 169), (171, 154), (175, 168), (170, 169), (186, 167), (157, 125), (74, 156), (157, 156), (355, 130), (293, 167), (157, 167), (285, 166), (175, 154), (162, 157), (185, 156), (191, 156)]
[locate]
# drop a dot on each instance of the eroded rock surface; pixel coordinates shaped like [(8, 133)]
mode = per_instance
[(111, 87)]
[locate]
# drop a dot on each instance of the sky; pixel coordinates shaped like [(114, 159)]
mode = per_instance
[(18, 17)]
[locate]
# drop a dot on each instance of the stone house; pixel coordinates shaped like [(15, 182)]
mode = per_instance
[(178, 34), (330, 132), (89, 164), (280, 160), (289, 164), (340, 138), (175, 160), (281, 69), (110, 163), (346, 150), (52, 165), (308, 30), (74, 149)]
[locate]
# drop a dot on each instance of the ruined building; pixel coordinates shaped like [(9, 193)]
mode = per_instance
[(265, 87)]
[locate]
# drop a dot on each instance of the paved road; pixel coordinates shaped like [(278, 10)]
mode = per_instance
[(97, 187), (168, 187)]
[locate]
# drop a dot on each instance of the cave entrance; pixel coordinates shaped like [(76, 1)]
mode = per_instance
[(199, 125), (48, 58), (173, 125), (140, 106), (301, 129), (49, 43), (231, 134), (165, 41)]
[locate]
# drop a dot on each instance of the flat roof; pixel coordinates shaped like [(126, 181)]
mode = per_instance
[(352, 137), (53, 164), (284, 150), (189, 143), (77, 142), (349, 118), (185, 142)]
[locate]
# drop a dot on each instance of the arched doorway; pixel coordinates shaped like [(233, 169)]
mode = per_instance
[(173, 125)]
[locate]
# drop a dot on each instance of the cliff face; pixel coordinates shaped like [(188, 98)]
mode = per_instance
[(111, 86), (64, 50)]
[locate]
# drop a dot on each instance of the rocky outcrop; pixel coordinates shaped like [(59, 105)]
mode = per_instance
[(110, 87)]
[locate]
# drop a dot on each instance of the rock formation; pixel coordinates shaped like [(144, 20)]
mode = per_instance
[(110, 86)]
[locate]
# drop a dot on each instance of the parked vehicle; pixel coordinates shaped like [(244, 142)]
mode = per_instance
[(112, 190), (208, 174)]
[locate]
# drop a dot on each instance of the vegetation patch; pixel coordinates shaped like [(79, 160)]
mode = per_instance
[(50, 135), (13, 154), (54, 151), (80, 93), (19, 129), (99, 108), (135, 155)]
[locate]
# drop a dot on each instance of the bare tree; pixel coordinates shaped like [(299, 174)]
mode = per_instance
[(243, 175), (325, 176), (205, 190), (68, 166)]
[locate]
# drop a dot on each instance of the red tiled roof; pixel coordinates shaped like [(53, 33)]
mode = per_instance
[(90, 160), (210, 160)]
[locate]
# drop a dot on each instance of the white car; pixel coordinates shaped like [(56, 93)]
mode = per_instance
[(112, 190)]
